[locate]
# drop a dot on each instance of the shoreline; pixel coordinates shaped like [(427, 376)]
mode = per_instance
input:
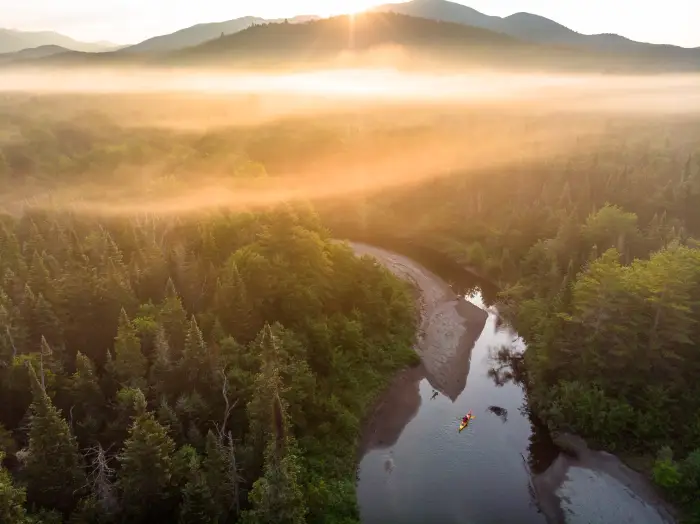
[(441, 311)]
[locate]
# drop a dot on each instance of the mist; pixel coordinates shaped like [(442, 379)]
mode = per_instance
[(445, 123), (644, 93)]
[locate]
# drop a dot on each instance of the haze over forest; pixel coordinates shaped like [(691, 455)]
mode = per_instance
[(185, 338)]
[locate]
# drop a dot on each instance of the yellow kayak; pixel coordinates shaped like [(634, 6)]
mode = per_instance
[(463, 425)]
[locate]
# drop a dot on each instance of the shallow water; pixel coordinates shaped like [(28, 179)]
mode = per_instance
[(593, 496), (416, 467), (441, 475)]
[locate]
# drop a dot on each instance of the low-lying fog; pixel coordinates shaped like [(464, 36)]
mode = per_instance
[(676, 93), (338, 132)]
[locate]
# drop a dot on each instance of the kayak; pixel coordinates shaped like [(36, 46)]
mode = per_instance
[(463, 425)]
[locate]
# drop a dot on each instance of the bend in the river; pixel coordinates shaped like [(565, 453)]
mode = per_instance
[(416, 467)]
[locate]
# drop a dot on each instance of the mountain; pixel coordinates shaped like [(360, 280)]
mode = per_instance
[(438, 40), (12, 41), (324, 38), (382, 39), (33, 53), (525, 26), (200, 33)]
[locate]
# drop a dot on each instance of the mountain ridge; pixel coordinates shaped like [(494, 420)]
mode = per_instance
[(12, 40), (382, 38), (201, 33), (523, 25)]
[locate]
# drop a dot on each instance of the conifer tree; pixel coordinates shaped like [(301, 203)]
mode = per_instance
[(173, 318), (161, 369), (195, 362), (198, 505), (88, 399), (277, 495), (220, 466), (39, 276), (129, 361), (54, 467), (146, 470), (231, 303), (46, 323), (12, 498)]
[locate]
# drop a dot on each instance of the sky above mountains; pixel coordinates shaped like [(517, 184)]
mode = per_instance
[(131, 21)]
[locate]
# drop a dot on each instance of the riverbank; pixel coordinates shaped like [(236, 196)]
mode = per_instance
[(448, 325), (449, 328)]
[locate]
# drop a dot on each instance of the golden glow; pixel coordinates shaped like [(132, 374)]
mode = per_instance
[(340, 7), (496, 119)]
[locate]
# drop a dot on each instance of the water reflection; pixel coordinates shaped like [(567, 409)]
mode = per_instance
[(500, 412), (416, 467), (424, 470), (504, 368), (398, 406)]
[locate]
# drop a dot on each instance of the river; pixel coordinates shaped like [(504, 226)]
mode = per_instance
[(415, 467)]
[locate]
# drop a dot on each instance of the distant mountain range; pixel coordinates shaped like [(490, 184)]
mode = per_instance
[(32, 53), (320, 42), (12, 41), (403, 39), (200, 33), (524, 26)]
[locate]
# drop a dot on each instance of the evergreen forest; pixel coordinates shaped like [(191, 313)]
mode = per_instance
[(215, 365)]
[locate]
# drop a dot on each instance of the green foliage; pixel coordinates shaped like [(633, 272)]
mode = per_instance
[(681, 480), (593, 250), (166, 380), (129, 361), (277, 496), (146, 473), (54, 467), (11, 498), (243, 324)]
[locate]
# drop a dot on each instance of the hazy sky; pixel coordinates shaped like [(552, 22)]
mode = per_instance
[(130, 21)]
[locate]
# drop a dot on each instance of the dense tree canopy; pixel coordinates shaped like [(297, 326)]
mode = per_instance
[(195, 370), (233, 355), (595, 253)]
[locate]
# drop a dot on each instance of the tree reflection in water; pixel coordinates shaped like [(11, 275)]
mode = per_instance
[(507, 366)]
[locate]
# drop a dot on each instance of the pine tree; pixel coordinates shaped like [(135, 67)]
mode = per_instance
[(11, 338), (87, 399), (129, 361), (169, 419), (54, 467), (160, 372), (12, 498), (46, 323), (130, 403), (231, 303), (173, 318), (39, 276), (146, 470), (277, 495), (220, 466), (195, 363), (198, 505)]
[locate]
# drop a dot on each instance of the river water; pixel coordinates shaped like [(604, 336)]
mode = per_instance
[(416, 467)]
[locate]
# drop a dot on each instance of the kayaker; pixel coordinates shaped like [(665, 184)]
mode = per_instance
[(467, 418)]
